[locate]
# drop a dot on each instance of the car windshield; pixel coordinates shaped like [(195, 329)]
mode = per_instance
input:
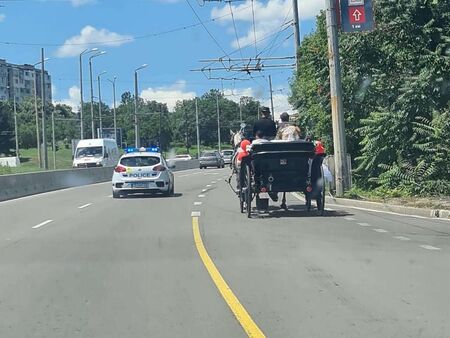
[(139, 161), (208, 154), (89, 152)]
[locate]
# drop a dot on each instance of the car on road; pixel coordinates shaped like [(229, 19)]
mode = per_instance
[(211, 158), (227, 156), (142, 171), (96, 153), (182, 157)]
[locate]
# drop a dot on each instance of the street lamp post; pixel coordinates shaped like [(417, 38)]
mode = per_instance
[(137, 140), (218, 121), (86, 51), (53, 139), (36, 113), (113, 82), (100, 134), (92, 91)]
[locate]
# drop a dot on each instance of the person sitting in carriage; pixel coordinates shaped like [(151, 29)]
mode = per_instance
[(286, 130)]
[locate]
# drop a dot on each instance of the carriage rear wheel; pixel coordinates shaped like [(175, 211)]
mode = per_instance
[(248, 191)]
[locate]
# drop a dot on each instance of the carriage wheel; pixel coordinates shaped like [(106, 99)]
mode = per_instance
[(248, 192)]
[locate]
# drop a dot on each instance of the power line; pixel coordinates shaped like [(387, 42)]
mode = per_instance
[(206, 29), (235, 30), (254, 27), (105, 42)]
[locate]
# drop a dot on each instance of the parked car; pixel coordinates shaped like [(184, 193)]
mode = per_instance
[(227, 156), (211, 158)]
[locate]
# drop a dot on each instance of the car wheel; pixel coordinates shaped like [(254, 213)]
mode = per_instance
[(116, 194)]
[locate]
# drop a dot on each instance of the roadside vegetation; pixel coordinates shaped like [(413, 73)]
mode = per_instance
[(396, 94)]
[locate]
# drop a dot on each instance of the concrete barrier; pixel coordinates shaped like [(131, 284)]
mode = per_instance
[(20, 185)]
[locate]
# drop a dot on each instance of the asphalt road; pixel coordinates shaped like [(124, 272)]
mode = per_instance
[(77, 263)]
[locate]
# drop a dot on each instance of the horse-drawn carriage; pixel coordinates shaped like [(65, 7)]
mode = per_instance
[(279, 167)]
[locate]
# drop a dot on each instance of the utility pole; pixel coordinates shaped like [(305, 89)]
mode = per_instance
[(240, 109), (44, 137), (198, 128), (36, 114), (337, 113), (159, 131), (53, 139), (100, 134), (92, 92), (218, 121), (271, 97), (86, 51), (296, 29), (113, 82), (16, 128), (137, 139)]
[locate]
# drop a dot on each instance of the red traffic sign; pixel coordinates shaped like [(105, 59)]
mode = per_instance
[(357, 14)]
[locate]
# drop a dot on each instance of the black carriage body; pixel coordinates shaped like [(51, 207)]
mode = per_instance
[(285, 166)]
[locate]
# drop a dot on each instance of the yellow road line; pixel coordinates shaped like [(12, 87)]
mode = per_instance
[(236, 307)]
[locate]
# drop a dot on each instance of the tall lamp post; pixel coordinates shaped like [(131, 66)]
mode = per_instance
[(113, 82), (92, 91), (137, 139), (36, 113), (44, 137), (86, 51), (100, 134)]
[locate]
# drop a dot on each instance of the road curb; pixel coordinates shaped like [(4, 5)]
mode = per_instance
[(432, 213)]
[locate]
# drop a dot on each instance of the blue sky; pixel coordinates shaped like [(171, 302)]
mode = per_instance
[(127, 29)]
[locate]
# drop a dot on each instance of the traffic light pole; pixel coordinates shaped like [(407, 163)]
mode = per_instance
[(337, 112)]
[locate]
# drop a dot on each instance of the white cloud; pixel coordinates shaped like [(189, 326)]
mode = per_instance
[(88, 36), (269, 16), (168, 94), (73, 100), (78, 3), (280, 100), (2, 17)]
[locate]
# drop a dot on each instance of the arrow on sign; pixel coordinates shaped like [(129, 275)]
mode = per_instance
[(357, 15)]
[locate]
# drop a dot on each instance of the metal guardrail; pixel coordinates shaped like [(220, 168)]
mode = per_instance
[(20, 185)]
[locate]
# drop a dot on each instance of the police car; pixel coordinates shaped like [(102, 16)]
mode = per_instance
[(142, 170)]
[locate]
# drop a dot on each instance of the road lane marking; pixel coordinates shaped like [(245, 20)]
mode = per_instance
[(380, 230), (84, 206), (208, 185), (402, 238), (350, 219), (364, 224), (213, 182), (201, 196), (40, 225), (219, 179), (204, 190), (198, 203), (232, 301), (430, 247), (195, 213), (110, 196)]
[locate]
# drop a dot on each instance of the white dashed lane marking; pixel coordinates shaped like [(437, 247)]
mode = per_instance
[(430, 247), (201, 196), (84, 206), (350, 219), (208, 185), (195, 213), (402, 238), (380, 230), (204, 190), (198, 203), (364, 224), (40, 225)]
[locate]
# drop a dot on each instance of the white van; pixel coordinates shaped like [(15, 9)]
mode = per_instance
[(96, 153)]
